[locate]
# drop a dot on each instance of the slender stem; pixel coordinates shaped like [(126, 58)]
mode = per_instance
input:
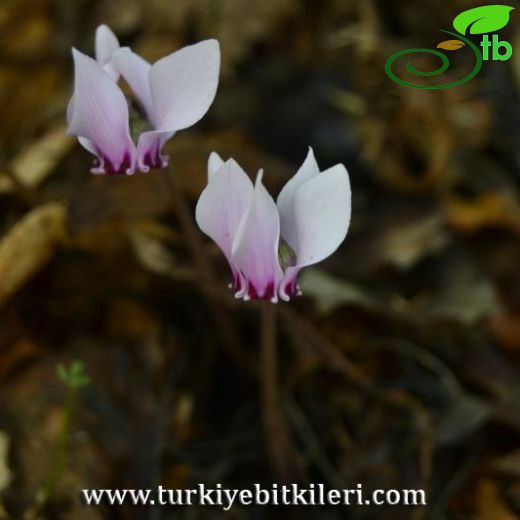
[(62, 449), (274, 423), (206, 274)]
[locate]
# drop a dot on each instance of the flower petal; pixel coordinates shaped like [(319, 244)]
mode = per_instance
[(215, 162), (83, 141), (322, 207), (222, 206), (184, 84), (255, 248), (285, 201), (106, 45), (136, 72), (99, 113)]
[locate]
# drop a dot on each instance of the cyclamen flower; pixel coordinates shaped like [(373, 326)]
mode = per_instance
[(265, 243), (173, 93)]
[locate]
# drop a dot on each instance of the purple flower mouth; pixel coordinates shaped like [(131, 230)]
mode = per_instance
[(103, 165), (269, 293)]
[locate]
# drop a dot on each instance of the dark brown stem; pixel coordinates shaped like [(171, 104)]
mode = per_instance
[(274, 421), (206, 274)]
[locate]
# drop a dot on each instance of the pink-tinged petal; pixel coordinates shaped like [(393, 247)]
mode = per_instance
[(106, 45), (70, 109), (285, 201), (215, 162), (99, 114), (136, 72), (255, 248), (222, 206), (184, 84), (87, 144), (322, 207), (149, 148), (83, 141)]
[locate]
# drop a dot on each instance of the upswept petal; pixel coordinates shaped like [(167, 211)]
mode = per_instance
[(222, 206), (285, 201), (214, 164), (322, 207), (255, 247), (99, 113), (106, 45), (136, 72), (184, 84)]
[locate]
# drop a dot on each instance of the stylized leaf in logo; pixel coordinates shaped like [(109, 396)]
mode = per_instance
[(451, 45), (481, 20)]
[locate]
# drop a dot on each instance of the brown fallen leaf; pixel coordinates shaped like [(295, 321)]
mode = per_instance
[(150, 248), (16, 355), (489, 210), (29, 245), (451, 45), (405, 245), (490, 505), (5, 474), (505, 327), (35, 163), (329, 292), (508, 464)]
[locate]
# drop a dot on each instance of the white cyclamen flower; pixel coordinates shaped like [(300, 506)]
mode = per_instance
[(173, 93), (265, 243)]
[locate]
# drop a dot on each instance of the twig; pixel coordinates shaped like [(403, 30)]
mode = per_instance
[(206, 274), (315, 450), (274, 421), (327, 349)]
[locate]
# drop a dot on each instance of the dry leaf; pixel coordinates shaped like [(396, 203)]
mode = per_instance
[(29, 245), (505, 328), (489, 210), (35, 163), (451, 45), (508, 464), (151, 250), (330, 292), (16, 355), (405, 245), (464, 294), (465, 416), (5, 474), (490, 505)]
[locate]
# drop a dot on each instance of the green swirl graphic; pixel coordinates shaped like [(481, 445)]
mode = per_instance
[(444, 66)]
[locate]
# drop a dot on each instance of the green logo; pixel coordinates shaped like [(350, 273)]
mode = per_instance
[(480, 20)]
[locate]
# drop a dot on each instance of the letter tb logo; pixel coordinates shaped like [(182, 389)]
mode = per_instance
[(500, 50), (477, 21)]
